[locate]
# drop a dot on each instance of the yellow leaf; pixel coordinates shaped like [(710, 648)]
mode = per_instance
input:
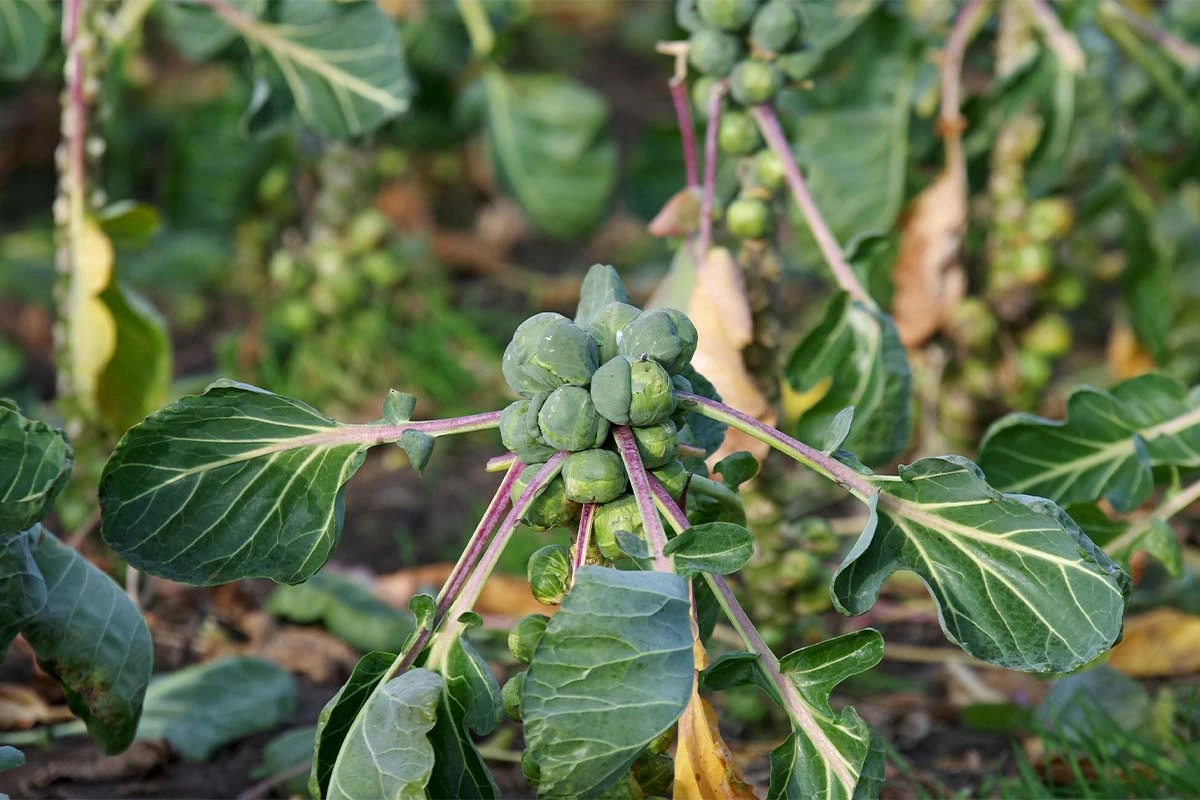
[(704, 767), (92, 333), (795, 403), (1164, 641)]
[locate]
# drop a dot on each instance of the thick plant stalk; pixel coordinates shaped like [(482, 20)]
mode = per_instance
[(768, 123), (583, 537), (687, 131), (968, 19), (858, 485), (710, 171), (786, 691), (639, 483)]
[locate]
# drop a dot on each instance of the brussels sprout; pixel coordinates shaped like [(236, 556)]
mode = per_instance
[(775, 25), (548, 351), (702, 94), (568, 420), (601, 286), (511, 694), (618, 515), (524, 637), (657, 444), (551, 508), (606, 323), (594, 476), (768, 170), (674, 477), (755, 82), (738, 135), (664, 334), (713, 53), (728, 14), (748, 218), (633, 392), (1049, 336), (662, 742), (655, 773), (819, 538), (519, 437), (549, 571), (800, 568)]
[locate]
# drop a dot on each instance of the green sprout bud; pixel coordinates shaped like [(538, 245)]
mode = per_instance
[(657, 444), (1068, 292), (768, 170), (655, 773), (818, 538), (568, 420), (799, 568), (755, 82), (601, 286), (738, 135), (972, 323), (713, 53), (551, 508), (728, 14), (1033, 369), (524, 637), (633, 392), (775, 25), (812, 599), (662, 743), (549, 572), (511, 694), (606, 323), (618, 515), (1032, 263), (1049, 336), (674, 477), (521, 438), (702, 94), (748, 218), (1049, 218), (548, 351), (664, 334), (681, 384), (594, 476)]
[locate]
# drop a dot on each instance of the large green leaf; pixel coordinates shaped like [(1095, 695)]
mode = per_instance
[(853, 357), (137, 379), (200, 708), (339, 715), (90, 638), (22, 589), (35, 462), (386, 755), (721, 548), (344, 606), (338, 66), (1016, 582), (827, 755), (25, 27), (827, 26), (234, 483), (613, 671), (552, 147), (469, 703), (1106, 447), (197, 32)]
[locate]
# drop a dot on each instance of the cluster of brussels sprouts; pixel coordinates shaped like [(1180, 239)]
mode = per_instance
[(613, 365), (755, 45)]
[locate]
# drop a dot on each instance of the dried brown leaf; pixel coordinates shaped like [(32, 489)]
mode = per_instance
[(704, 766), (1165, 641), (21, 708), (502, 595)]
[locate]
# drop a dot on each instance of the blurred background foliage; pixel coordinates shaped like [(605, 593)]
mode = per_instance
[(332, 244)]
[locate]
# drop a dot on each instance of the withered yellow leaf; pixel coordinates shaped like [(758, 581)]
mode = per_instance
[(704, 767)]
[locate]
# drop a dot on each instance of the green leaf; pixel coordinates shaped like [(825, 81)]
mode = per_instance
[(137, 379), (613, 671), (552, 147), (129, 224), (632, 545), (736, 468), (338, 66), (398, 406), (853, 357), (419, 447), (346, 608), (92, 640), (721, 548), (234, 483), (705, 432), (469, 703), (1152, 536), (25, 27), (1107, 446), (197, 32), (1016, 582), (1083, 707), (827, 25), (35, 463), (286, 753), (839, 429), (386, 755), (339, 715), (22, 589), (827, 755), (201, 708), (10, 758)]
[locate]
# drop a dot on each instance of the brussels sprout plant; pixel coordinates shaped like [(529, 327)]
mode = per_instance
[(609, 438)]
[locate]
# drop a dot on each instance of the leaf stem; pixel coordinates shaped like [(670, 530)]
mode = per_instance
[(639, 483), (768, 123), (687, 130), (583, 538), (479, 27), (1173, 505), (1187, 54), (704, 241), (788, 694), (1064, 45), (500, 463), (828, 466), (965, 24)]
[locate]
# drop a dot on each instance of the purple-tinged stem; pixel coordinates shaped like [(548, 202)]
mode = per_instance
[(715, 100), (1064, 45), (639, 483), (814, 459), (478, 541), (789, 695), (500, 463), (583, 539), (687, 130), (473, 585), (691, 451), (768, 123)]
